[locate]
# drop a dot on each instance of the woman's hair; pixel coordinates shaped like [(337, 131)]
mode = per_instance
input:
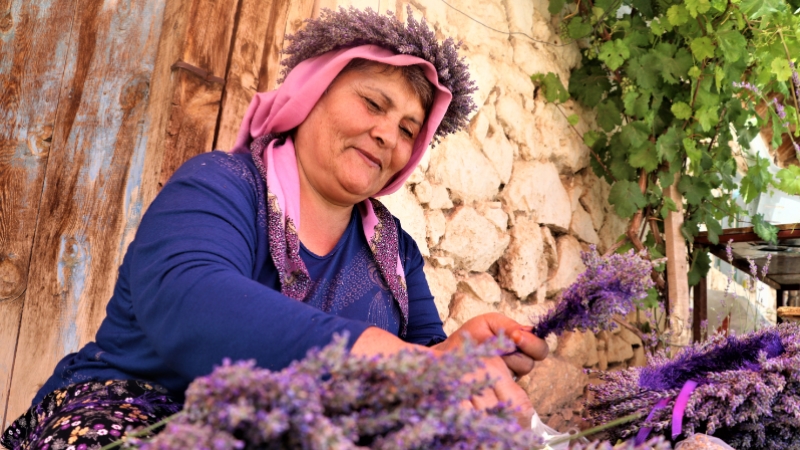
[(414, 76)]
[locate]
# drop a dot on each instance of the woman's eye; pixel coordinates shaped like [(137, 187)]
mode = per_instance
[(372, 104), (407, 132)]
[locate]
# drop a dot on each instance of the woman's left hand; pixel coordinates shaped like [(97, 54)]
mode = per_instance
[(480, 328)]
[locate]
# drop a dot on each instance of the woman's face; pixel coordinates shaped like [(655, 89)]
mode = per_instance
[(359, 134)]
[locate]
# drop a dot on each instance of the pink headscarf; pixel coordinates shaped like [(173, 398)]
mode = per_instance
[(284, 109)]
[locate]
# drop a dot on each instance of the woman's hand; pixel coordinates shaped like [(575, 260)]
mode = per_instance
[(480, 328)]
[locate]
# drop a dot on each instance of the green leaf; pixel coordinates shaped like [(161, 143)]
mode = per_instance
[(780, 67), (656, 27), (614, 53), (764, 229), (573, 119), (645, 157), (694, 189), (635, 134), (756, 180), (695, 72), (556, 6), (592, 137), (714, 229), (645, 8), (719, 76), (677, 15), (673, 65), (550, 84), (669, 205), (588, 84), (692, 152), (681, 110), (790, 180), (641, 71), (608, 115), (732, 44), (697, 7), (702, 48), (626, 198), (708, 117), (669, 144), (701, 263), (757, 8), (578, 28)]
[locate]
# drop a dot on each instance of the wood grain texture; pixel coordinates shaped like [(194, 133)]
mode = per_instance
[(91, 191), (241, 82), (194, 108), (677, 270), (31, 70)]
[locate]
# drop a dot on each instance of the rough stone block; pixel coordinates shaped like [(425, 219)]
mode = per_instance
[(618, 349), (536, 187), (569, 265), (473, 241), (465, 307), (404, 205), (423, 191), (440, 198), (436, 225), (523, 268), (443, 285), (553, 384), (582, 226), (482, 286), (460, 166)]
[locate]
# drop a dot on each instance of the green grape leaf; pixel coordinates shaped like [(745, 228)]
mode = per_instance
[(732, 44), (669, 144), (578, 28), (608, 115), (556, 6), (701, 263), (702, 48), (645, 8), (651, 301), (756, 180), (626, 198), (673, 65), (677, 15), (714, 229), (789, 180), (696, 7), (708, 117), (694, 189), (656, 27), (719, 76), (592, 138), (719, 5), (757, 8), (681, 110), (607, 5), (573, 119), (695, 72), (764, 229), (588, 84), (780, 67), (614, 53), (550, 84), (640, 70), (635, 134), (692, 152), (669, 205), (645, 157)]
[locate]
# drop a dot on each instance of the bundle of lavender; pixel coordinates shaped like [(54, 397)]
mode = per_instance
[(609, 286), (332, 400), (744, 390)]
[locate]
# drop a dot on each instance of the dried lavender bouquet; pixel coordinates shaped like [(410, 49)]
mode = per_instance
[(333, 400), (609, 286), (747, 394)]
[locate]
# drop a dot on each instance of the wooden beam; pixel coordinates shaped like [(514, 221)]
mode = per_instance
[(700, 310), (34, 48), (91, 181), (677, 269)]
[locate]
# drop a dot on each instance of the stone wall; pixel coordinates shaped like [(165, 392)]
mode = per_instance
[(502, 210)]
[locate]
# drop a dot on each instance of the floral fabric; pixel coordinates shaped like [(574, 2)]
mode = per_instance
[(89, 415)]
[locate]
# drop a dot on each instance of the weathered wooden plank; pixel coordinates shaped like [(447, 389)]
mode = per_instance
[(32, 57), (196, 100), (241, 83), (90, 184), (677, 270)]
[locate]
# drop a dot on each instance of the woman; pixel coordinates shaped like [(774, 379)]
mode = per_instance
[(273, 249)]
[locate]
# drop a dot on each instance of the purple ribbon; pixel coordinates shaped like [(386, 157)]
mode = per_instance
[(677, 412), (680, 407)]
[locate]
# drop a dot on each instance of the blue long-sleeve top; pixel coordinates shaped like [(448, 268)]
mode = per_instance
[(198, 285)]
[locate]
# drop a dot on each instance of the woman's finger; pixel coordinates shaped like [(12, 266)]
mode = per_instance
[(529, 344), (519, 363)]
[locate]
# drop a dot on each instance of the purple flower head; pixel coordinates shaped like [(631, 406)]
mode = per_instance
[(748, 393), (609, 286), (795, 80), (745, 85), (351, 27), (779, 108)]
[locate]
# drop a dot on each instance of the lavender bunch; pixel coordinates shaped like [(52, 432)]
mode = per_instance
[(609, 286), (748, 391), (351, 27), (656, 443), (333, 400)]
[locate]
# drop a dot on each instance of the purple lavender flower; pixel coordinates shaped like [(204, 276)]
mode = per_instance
[(748, 396), (779, 108), (746, 85), (609, 286), (795, 80), (352, 27)]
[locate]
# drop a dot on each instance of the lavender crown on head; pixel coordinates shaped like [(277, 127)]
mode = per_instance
[(609, 286), (351, 27)]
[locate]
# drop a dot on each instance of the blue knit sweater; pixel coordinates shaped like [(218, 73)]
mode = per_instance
[(197, 285)]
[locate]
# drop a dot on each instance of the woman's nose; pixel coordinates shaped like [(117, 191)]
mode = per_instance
[(386, 132)]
